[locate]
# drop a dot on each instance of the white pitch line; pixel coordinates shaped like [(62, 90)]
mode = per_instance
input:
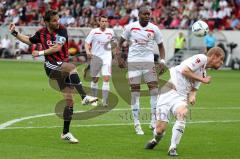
[(122, 124), (14, 121), (11, 122), (191, 107)]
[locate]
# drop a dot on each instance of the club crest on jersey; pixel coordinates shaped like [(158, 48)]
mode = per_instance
[(197, 60), (149, 35)]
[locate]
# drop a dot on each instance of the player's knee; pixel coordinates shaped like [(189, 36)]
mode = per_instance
[(152, 85), (74, 78), (135, 87), (95, 79), (106, 78), (181, 113), (69, 102)]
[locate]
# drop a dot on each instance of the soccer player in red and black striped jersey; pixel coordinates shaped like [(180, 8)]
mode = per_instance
[(53, 38)]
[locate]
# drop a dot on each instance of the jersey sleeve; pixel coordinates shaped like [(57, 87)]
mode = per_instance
[(114, 37), (35, 38), (196, 85), (158, 36), (62, 37), (197, 62), (89, 38), (126, 32)]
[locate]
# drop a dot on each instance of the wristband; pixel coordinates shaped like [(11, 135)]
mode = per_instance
[(40, 53), (162, 61), (14, 33)]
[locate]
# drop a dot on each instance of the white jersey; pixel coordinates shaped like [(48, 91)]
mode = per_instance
[(100, 43), (142, 41), (197, 64)]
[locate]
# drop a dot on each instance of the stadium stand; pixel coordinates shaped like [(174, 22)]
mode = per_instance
[(167, 14)]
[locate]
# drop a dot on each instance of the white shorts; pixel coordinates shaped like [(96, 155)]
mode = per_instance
[(98, 67), (168, 103), (138, 69)]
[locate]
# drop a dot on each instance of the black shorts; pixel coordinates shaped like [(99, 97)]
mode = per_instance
[(53, 71)]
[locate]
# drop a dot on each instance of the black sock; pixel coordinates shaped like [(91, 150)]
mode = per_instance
[(80, 90), (75, 81), (66, 126), (67, 116)]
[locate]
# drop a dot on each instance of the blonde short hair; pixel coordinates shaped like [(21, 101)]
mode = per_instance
[(215, 51)]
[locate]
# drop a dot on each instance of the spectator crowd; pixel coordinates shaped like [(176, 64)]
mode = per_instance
[(167, 14)]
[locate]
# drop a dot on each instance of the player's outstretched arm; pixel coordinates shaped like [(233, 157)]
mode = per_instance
[(49, 51), (191, 75), (21, 37), (60, 41)]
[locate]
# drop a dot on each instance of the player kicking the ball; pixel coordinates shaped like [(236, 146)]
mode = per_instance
[(179, 92), (54, 39)]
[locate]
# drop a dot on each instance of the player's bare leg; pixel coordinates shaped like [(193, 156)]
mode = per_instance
[(158, 134), (67, 115), (135, 96), (153, 90), (178, 129)]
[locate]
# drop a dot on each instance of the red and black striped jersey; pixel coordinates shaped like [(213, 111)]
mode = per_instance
[(47, 40)]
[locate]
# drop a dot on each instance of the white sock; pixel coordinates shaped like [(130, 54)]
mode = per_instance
[(153, 102), (105, 90), (94, 87), (157, 137), (177, 132), (135, 107)]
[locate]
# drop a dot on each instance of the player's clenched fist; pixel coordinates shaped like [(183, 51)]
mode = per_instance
[(162, 68), (12, 27), (206, 80), (35, 53), (192, 99)]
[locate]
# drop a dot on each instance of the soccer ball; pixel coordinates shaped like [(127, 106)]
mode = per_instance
[(200, 28)]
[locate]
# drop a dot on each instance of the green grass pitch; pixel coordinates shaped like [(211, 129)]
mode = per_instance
[(212, 131)]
